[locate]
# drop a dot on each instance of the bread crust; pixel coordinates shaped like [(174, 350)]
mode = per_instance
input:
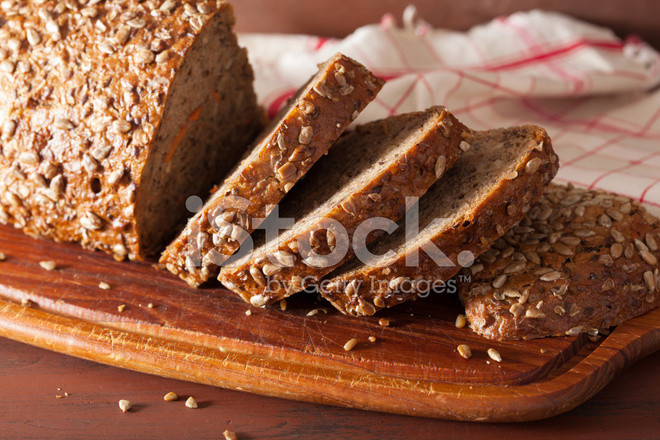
[(303, 132), (383, 196), (579, 262), (84, 88), (365, 289)]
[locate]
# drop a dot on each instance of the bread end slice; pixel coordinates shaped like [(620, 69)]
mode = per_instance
[(581, 261)]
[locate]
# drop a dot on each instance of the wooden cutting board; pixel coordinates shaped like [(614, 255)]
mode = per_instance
[(206, 336)]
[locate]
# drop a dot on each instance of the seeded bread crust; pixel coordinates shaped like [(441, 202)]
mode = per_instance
[(425, 144), (579, 262), (362, 289), (91, 96), (302, 133)]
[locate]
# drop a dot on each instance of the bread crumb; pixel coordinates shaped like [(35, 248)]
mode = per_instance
[(171, 396), (464, 350), (25, 302), (3, 256), (191, 403), (461, 320), (229, 435), (372, 339), (248, 312), (283, 304), (104, 286), (350, 344), (48, 265), (150, 305), (121, 307), (384, 322), (125, 405), (316, 311)]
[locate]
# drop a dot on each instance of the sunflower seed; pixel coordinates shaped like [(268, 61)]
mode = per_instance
[(494, 355), (464, 351), (440, 166), (533, 165), (618, 236), (33, 37), (534, 313), (650, 242), (91, 221), (499, 281), (259, 300), (121, 125), (649, 257), (350, 344), (257, 276), (125, 405), (517, 309), (551, 276), (305, 136), (649, 278)]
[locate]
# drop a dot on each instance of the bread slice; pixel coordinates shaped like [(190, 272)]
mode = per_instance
[(580, 261), (367, 174), (487, 191), (303, 131), (114, 113)]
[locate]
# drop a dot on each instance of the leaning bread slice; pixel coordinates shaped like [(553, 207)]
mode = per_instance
[(368, 174), (303, 131), (579, 262), (487, 191)]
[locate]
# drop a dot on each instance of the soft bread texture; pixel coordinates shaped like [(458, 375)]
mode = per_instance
[(368, 173), (113, 113), (581, 261), (303, 131), (489, 189)]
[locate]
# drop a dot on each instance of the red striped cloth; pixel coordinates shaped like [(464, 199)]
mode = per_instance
[(595, 94)]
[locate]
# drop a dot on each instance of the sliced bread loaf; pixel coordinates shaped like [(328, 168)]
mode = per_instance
[(113, 113), (303, 131), (580, 261), (367, 174), (489, 189)]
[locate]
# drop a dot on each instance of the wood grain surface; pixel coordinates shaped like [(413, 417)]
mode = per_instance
[(206, 337), (29, 409)]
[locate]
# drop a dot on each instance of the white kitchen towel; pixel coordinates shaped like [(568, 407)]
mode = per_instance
[(597, 95)]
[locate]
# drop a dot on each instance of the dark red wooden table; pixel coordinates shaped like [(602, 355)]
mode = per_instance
[(31, 378)]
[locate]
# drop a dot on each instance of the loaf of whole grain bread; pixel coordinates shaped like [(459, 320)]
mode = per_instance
[(302, 132), (490, 188), (367, 174), (580, 261), (114, 112)]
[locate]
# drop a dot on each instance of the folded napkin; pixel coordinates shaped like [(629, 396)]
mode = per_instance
[(595, 94)]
